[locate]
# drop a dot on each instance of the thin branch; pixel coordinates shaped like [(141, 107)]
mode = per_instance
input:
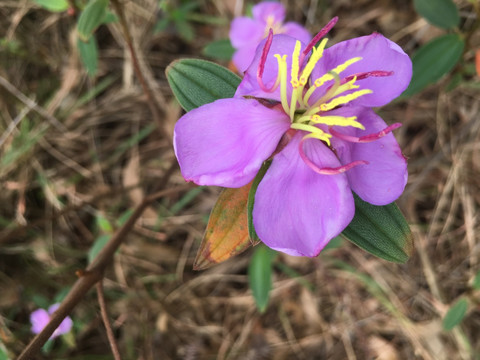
[(106, 321), (146, 89), (94, 273)]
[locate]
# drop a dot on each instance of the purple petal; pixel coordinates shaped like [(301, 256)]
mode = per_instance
[(383, 180), (225, 143), (65, 327), (53, 308), (298, 211), (242, 58), (378, 54), (269, 9), (297, 31), (39, 319), (281, 44), (246, 31)]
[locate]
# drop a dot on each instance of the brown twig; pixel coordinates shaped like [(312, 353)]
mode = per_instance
[(106, 321), (146, 89), (89, 277)]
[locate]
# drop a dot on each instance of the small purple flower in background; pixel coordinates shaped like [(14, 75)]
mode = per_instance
[(40, 318), (246, 33), (308, 110)]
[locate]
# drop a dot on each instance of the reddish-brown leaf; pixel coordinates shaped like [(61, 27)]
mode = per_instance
[(477, 61), (227, 230)]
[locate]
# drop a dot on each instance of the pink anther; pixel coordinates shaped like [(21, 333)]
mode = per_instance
[(263, 60), (364, 75), (320, 35), (366, 138), (326, 170)]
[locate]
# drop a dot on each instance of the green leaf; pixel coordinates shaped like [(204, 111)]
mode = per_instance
[(104, 224), (455, 314), (185, 30), (3, 352), (161, 25), (53, 5), (441, 13), (260, 275), (91, 18), (335, 243), (198, 82), (40, 301), (251, 200), (434, 60), (109, 18), (221, 49), (98, 245), (380, 230), (476, 281), (89, 55), (124, 217)]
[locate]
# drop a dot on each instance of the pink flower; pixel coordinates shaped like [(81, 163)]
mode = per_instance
[(309, 111), (246, 33), (40, 318)]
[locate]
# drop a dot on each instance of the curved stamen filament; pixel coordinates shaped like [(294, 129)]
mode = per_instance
[(316, 56), (261, 65), (326, 170), (293, 104), (350, 85), (342, 100), (333, 120), (366, 138), (314, 132), (364, 75), (295, 64), (315, 108), (329, 76), (282, 75), (320, 35)]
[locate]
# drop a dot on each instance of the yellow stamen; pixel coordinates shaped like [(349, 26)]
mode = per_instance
[(295, 65), (332, 120), (350, 85), (329, 76), (315, 108), (342, 100), (314, 132), (293, 104), (307, 117), (323, 137), (346, 64), (282, 74), (337, 121), (316, 55)]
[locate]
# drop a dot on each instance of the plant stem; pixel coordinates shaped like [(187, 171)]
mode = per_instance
[(106, 321), (94, 273)]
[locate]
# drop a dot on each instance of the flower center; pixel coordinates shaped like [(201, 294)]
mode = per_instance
[(305, 116), (276, 26), (310, 116)]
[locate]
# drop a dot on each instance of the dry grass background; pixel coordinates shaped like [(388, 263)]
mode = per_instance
[(90, 149)]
